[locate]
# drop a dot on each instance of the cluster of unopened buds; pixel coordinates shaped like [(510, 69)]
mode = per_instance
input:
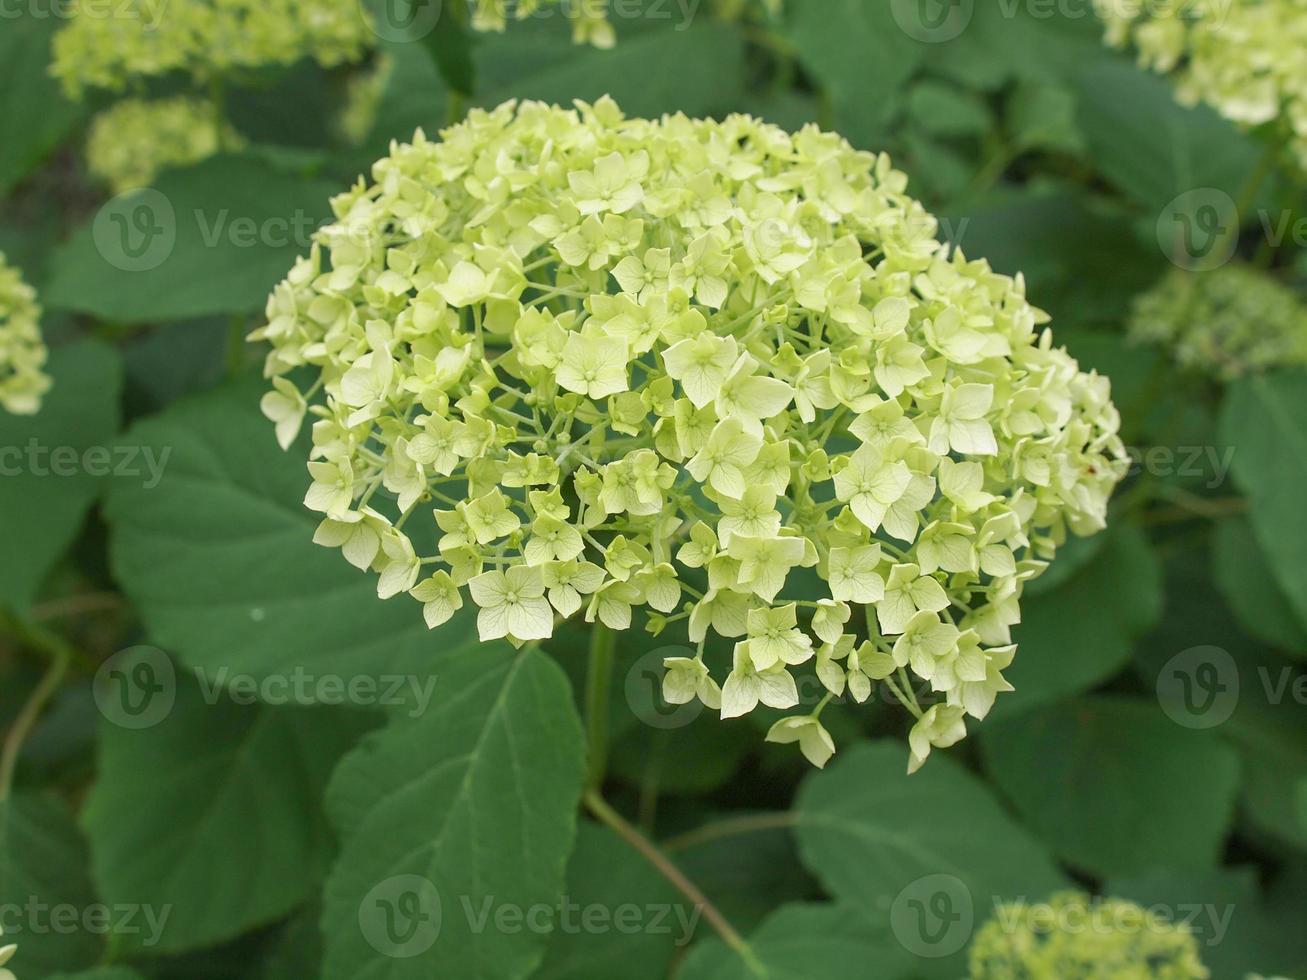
[(561, 362), (23, 381), (1076, 935), (1242, 57), (1226, 322)]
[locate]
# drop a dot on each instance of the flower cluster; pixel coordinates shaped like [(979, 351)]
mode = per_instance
[(1225, 322), (1073, 935), (207, 39), (204, 39), (132, 140), (1240, 56), (712, 369), (22, 352)]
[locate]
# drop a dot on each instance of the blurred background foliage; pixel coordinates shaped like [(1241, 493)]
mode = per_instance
[(1040, 149)]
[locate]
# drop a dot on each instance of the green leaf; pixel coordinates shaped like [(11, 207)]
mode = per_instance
[(946, 110), (1241, 572), (215, 812), (214, 238), (1273, 746), (618, 917), (163, 365), (1153, 148), (886, 842), (34, 115), (806, 942), (1112, 784), (939, 172), (450, 46), (861, 56), (536, 59), (1194, 616), (1005, 42), (297, 952), (454, 824), (55, 464), (101, 973), (695, 759), (1043, 117), (44, 863), (1082, 260), (1265, 420), (1066, 644), (220, 558)]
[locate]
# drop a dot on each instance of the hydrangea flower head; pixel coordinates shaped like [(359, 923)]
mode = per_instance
[(1242, 57), (209, 39), (1074, 935), (23, 380), (204, 39), (562, 362), (1225, 322), (132, 140)]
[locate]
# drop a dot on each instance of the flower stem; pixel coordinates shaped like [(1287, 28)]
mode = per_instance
[(60, 653), (598, 681), (649, 850)]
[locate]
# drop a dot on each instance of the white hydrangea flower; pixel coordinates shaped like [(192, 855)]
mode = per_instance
[(1242, 57), (600, 364)]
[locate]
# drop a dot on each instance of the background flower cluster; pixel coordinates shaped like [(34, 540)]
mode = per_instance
[(23, 380)]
